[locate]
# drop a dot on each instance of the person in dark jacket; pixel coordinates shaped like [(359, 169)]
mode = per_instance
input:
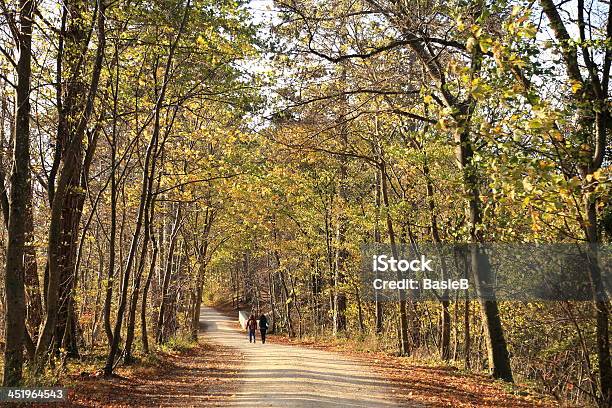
[(263, 327), (251, 326)]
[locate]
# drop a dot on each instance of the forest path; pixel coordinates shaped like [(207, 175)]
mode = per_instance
[(291, 376)]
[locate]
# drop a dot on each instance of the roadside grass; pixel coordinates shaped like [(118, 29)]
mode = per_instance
[(179, 343)]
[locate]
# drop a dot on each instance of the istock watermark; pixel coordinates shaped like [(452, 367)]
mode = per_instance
[(385, 263), (525, 272)]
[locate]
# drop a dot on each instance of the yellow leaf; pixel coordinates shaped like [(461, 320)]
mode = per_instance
[(576, 86)]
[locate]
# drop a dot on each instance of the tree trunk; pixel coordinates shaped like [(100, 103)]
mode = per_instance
[(272, 301), (445, 331), (110, 282), (145, 293), (342, 253), (131, 322), (288, 301), (403, 318), (378, 240), (359, 311), (161, 334), (466, 328), (197, 304), (34, 304), (498, 357), (15, 312), (202, 253), (285, 292), (199, 289)]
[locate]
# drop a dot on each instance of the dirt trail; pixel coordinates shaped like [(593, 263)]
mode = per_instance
[(288, 376)]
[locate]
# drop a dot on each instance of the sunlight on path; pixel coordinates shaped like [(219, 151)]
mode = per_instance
[(290, 376)]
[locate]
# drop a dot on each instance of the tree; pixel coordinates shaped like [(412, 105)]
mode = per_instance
[(593, 119), (71, 166), (19, 200)]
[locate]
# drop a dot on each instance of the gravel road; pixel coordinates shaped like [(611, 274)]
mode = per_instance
[(292, 376)]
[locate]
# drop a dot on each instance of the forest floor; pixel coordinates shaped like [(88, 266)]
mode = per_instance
[(225, 370), (202, 376)]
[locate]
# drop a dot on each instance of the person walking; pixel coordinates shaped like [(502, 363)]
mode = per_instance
[(251, 326), (263, 327)]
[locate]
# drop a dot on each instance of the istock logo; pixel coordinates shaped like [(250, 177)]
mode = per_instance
[(384, 263)]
